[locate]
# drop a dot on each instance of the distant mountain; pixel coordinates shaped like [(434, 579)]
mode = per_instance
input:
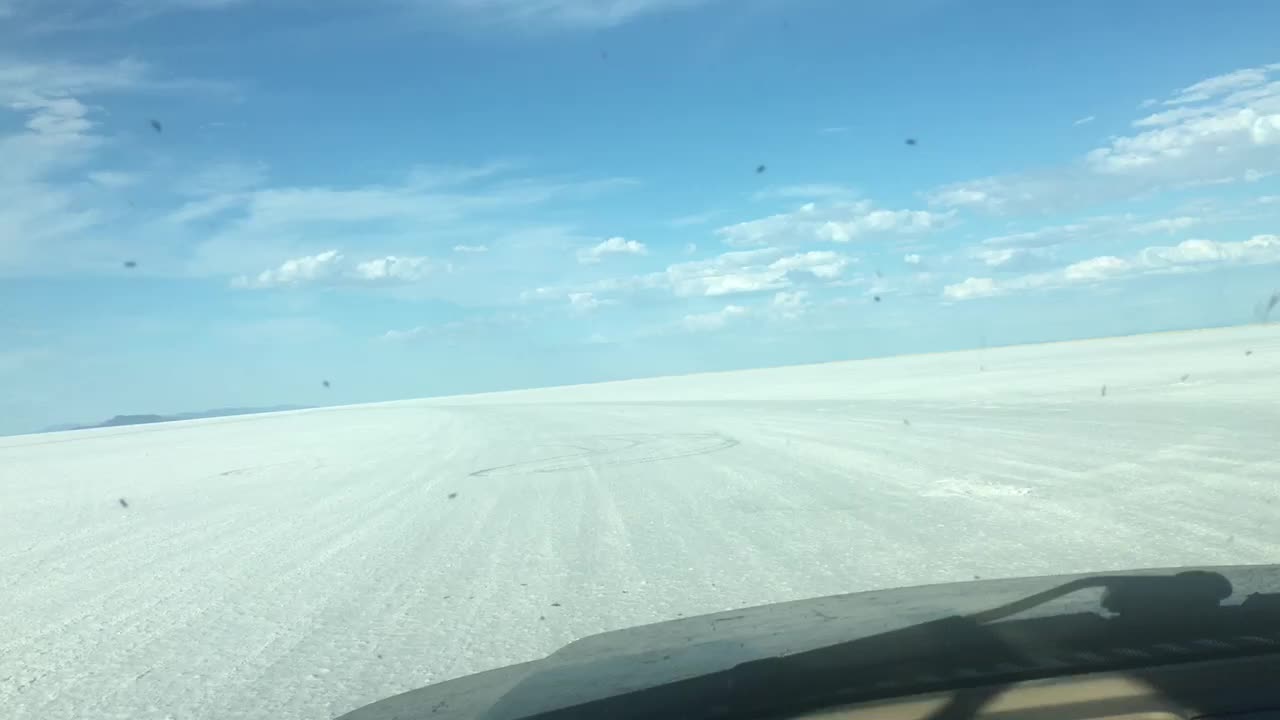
[(122, 420)]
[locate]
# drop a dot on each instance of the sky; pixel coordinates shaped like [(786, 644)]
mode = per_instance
[(217, 203)]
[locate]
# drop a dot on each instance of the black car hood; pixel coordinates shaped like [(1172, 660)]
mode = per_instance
[(646, 656)]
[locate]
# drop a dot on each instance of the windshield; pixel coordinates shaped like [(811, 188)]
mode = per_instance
[(351, 347)]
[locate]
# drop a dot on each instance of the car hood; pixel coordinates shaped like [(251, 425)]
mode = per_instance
[(647, 656)]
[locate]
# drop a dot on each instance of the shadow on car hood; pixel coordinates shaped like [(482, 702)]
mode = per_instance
[(647, 656)]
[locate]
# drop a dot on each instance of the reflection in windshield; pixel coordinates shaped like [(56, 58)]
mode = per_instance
[(352, 348)]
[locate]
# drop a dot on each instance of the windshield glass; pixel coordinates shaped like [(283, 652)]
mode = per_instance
[(351, 347)]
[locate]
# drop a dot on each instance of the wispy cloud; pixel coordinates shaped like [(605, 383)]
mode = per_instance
[(838, 222), (1225, 128), (1084, 120), (691, 220), (737, 272), (707, 322), (222, 178), (461, 330), (586, 302), (1197, 255), (267, 224), (562, 14), (811, 191)]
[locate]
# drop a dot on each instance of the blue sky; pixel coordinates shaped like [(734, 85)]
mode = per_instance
[(424, 197)]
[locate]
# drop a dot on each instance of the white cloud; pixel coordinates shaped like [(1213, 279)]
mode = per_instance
[(1098, 268), (838, 222), (612, 246), (1012, 258), (968, 194), (457, 331), (1166, 225), (881, 221), (691, 220), (1259, 249), (912, 259), (1219, 85), (713, 320), (811, 191), (789, 305), (1219, 129), (246, 229), (393, 269), (223, 178), (332, 267), (297, 271), (1084, 120), (791, 300), (112, 179), (1186, 256), (542, 294), (23, 80), (1002, 250), (472, 249), (585, 302), (43, 219), (820, 263), (54, 217), (730, 273), (971, 288)]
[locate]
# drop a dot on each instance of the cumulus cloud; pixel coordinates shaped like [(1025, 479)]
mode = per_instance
[(729, 273), (612, 246), (297, 271), (713, 320), (332, 267), (393, 269)]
